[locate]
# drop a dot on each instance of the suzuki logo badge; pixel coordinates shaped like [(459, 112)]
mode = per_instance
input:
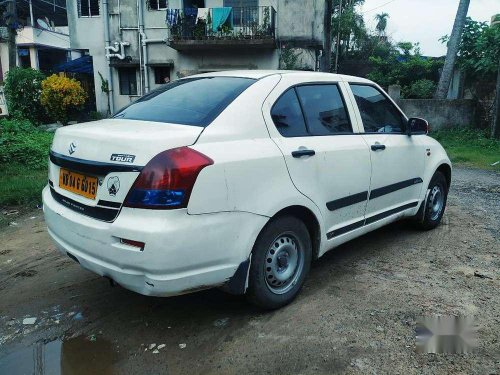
[(72, 148)]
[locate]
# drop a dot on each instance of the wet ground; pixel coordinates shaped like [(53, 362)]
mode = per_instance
[(356, 314)]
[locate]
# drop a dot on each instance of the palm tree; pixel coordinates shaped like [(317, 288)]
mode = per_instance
[(453, 46), (381, 19)]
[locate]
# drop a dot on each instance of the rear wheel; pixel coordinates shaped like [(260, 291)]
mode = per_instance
[(435, 203), (281, 259)]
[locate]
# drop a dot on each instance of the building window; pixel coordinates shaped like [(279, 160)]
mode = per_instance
[(194, 3), (24, 57), (88, 8), (162, 75), (128, 81), (158, 4)]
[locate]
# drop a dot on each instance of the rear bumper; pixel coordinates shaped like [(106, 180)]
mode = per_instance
[(182, 253)]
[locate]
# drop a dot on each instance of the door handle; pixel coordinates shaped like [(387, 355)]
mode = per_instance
[(377, 147), (305, 152)]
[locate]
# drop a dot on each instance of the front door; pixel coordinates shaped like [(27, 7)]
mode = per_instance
[(397, 159), (327, 161)]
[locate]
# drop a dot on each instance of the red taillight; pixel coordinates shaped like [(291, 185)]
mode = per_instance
[(167, 180)]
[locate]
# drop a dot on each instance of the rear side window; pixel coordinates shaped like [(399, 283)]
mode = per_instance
[(324, 109), (378, 113), (195, 101), (287, 116)]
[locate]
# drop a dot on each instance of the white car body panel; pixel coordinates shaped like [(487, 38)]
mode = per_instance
[(340, 167), (252, 179)]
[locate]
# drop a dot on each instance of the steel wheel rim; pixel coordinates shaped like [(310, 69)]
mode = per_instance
[(436, 202), (283, 264)]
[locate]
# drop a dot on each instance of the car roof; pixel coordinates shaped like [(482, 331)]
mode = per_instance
[(259, 74)]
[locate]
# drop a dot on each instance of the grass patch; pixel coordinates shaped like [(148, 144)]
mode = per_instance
[(21, 185), (470, 147), (23, 165)]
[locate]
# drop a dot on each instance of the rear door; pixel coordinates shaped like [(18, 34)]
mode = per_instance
[(327, 161), (397, 159)]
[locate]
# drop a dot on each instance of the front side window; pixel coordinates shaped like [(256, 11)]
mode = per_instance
[(324, 109), (128, 81), (158, 4), (88, 8), (287, 115), (379, 115), (189, 101)]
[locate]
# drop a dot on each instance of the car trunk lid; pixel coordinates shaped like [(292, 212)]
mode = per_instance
[(94, 165)]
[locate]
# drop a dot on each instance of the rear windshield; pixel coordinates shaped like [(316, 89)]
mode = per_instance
[(190, 101)]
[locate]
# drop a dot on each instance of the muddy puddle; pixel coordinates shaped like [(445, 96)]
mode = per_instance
[(79, 355)]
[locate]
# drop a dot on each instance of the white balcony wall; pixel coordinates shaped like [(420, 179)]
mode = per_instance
[(36, 36)]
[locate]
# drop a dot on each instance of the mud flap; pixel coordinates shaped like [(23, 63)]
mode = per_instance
[(238, 283), (423, 207)]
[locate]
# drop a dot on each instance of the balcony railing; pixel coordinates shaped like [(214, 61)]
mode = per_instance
[(222, 26)]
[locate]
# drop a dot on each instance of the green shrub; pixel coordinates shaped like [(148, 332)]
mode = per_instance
[(22, 91), (21, 142), (421, 89), (61, 95)]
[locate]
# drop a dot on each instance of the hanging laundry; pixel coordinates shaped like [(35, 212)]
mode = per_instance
[(190, 16), (220, 16), (172, 17), (202, 14)]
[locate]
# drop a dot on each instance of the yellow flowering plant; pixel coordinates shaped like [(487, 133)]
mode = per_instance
[(60, 95)]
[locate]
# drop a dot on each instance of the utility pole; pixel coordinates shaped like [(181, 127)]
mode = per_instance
[(337, 49), (327, 29), (10, 18)]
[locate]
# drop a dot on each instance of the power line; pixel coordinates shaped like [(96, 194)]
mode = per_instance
[(380, 6)]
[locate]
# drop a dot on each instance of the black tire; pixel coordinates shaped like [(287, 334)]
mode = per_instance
[(431, 218), (296, 240)]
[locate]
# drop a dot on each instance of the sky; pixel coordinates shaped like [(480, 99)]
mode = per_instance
[(424, 21)]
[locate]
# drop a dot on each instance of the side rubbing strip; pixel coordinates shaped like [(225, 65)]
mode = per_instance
[(385, 214), (347, 201), (370, 220), (375, 193), (92, 167), (347, 228)]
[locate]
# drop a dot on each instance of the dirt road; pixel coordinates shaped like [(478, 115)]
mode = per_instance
[(356, 314)]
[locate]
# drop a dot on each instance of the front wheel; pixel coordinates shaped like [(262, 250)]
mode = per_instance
[(280, 262), (435, 203)]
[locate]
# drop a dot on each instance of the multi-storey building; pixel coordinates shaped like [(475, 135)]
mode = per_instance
[(137, 45), (42, 40)]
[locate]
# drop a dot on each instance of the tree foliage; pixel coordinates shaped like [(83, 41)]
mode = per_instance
[(348, 27), (22, 91), (60, 95), (405, 66), (381, 25), (479, 50)]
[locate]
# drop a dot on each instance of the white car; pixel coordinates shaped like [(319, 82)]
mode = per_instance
[(239, 179)]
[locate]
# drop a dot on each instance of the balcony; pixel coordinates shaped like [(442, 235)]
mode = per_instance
[(57, 38), (250, 27)]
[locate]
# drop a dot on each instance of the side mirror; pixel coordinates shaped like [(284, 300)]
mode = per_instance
[(417, 126)]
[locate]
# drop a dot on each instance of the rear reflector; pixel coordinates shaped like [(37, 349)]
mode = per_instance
[(167, 180), (133, 243)]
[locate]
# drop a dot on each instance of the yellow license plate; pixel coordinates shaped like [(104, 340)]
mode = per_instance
[(78, 183)]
